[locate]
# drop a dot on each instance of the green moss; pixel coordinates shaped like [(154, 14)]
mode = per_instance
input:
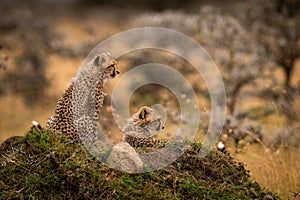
[(47, 166)]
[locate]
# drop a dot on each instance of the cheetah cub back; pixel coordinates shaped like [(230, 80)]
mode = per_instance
[(139, 130)]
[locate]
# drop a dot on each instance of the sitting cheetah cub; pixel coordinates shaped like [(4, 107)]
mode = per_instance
[(78, 109), (140, 128)]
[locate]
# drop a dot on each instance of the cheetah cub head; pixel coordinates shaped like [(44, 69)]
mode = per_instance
[(149, 119), (105, 66)]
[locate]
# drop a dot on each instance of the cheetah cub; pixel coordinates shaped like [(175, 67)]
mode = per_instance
[(78, 109), (139, 130)]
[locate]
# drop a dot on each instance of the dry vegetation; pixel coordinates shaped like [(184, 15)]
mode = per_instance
[(255, 45), (276, 170)]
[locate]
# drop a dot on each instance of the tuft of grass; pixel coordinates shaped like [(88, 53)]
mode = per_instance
[(47, 166)]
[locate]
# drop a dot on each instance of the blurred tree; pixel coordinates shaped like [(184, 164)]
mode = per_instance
[(236, 52), (287, 7), (173, 19), (26, 38), (150, 4), (276, 25)]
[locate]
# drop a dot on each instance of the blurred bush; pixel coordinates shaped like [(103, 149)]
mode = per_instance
[(26, 41)]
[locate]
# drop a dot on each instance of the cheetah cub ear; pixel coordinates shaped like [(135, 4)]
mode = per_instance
[(102, 60), (97, 61), (144, 113)]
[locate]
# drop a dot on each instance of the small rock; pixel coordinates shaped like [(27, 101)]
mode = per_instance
[(123, 157)]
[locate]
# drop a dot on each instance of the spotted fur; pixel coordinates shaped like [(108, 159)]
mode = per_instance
[(138, 132), (78, 109)]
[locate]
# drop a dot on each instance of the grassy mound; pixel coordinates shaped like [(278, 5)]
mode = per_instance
[(45, 166)]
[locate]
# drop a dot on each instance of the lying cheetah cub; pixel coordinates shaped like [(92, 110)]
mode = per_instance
[(140, 128)]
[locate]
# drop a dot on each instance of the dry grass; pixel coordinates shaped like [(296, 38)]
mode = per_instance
[(277, 171)]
